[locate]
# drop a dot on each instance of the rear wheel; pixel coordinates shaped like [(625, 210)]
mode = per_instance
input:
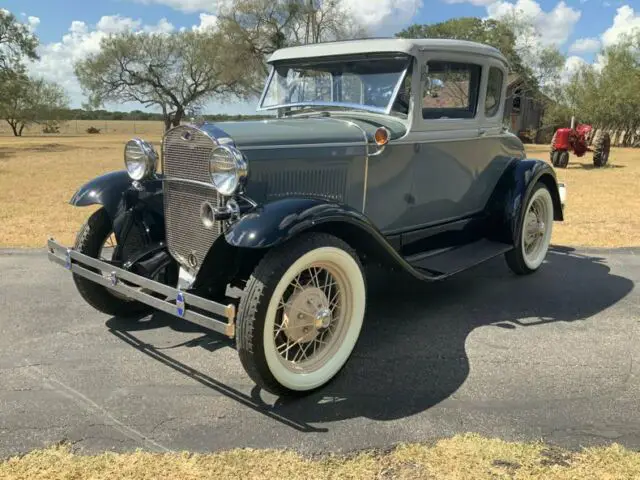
[(96, 239), (301, 314), (534, 233), (563, 158), (601, 148)]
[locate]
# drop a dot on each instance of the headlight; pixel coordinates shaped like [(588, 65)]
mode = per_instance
[(140, 159), (228, 169)]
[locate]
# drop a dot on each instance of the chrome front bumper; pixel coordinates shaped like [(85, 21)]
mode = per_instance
[(175, 302)]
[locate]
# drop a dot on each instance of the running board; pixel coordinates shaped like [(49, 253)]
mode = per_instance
[(455, 260)]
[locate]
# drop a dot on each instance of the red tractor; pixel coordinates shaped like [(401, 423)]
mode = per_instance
[(575, 139)]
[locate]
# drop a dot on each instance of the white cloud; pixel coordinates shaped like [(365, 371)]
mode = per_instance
[(554, 26), (585, 45), (117, 24), (626, 22), (206, 22), (383, 16), (571, 66), (57, 59), (33, 23), (187, 6)]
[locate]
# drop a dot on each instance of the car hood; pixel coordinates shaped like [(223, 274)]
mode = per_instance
[(276, 132), (292, 131)]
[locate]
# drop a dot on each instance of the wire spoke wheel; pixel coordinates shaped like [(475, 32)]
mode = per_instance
[(535, 232), (301, 314), (310, 321)]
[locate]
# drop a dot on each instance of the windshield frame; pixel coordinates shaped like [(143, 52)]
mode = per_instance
[(357, 106)]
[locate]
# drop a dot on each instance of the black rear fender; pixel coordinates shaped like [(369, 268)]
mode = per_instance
[(506, 205)]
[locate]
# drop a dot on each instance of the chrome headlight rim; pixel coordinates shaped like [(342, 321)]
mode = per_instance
[(239, 173), (147, 154)]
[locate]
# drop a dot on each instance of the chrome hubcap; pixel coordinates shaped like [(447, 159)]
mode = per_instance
[(310, 322)]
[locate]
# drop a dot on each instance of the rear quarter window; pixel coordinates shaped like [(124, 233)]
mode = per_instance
[(494, 92)]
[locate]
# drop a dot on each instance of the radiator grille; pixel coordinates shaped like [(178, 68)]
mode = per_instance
[(185, 161)]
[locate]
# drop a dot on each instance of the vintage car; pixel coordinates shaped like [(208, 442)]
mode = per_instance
[(385, 151)]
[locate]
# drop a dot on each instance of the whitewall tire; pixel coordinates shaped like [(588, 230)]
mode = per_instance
[(302, 314), (534, 232)]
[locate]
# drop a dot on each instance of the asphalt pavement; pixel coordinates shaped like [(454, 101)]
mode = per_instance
[(552, 356)]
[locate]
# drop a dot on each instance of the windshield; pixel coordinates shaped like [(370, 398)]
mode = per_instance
[(368, 83)]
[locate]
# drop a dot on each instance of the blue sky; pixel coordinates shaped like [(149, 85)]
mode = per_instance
[(71, 29)]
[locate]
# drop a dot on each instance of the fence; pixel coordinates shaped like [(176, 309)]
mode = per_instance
[(80, 127)]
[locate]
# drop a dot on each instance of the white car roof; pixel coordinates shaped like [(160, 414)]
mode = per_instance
[(402, 45)]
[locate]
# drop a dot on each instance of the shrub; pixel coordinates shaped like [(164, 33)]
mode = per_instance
[(51, 126), (93, 130)]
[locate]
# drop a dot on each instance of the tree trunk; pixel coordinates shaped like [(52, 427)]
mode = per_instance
[(20, 131), (14, 126), (177, 117), (167, 122)]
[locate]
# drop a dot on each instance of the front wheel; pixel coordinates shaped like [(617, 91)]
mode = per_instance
[(97, 240), (301, 314), (534, 233)]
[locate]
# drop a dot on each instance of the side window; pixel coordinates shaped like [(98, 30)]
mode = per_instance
[(451, 90), (494, 92)]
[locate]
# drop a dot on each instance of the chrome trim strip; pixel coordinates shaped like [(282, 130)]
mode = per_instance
[(440, 140), (186, 180), (366, 156), (58, 253), (366, 181)]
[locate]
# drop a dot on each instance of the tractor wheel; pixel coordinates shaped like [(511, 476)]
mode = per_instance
[(563, 158), (601, 148)]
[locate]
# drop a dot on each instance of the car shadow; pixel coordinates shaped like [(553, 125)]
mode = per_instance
[(411, 353)]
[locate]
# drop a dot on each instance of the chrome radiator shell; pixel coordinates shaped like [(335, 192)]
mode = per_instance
[(187, 185)]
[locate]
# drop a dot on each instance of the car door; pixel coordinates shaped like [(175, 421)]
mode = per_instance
[(448, 154), (460, 147)]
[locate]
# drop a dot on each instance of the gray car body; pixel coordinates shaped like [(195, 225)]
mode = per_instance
[(431, 172), (459, 179)]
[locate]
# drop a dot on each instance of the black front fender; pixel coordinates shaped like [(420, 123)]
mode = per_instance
[(124, 203), (507, 203), (105, 190), (274, 223)]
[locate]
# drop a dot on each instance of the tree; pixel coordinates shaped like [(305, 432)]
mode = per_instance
[(488, 31), (514, 36), (30, 100), (16, 42), (257, 28), (607, 95), (175, 72)]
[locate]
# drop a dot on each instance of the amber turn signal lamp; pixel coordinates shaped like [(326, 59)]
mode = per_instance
[(381, 136)]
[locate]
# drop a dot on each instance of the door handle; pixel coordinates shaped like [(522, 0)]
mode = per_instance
[(482, 131)]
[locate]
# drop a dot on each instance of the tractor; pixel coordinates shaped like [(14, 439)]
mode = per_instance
[(575, 139)]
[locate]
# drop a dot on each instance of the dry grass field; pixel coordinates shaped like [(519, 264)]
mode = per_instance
[(38, 175), (467, 457)]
